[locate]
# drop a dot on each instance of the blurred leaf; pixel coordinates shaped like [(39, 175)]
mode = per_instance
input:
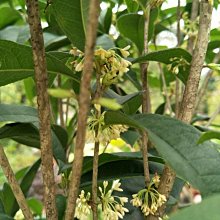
[(5, 217), (35, 205), (105, 41), (209, 135), (132, 6), (61, 206), (208, 209), (17, 63), (177, 144), (108, 103), (71, 16), (30, 90), (18, 113), (105, 20), (8, 16), (61, 93), (214, 66), (130, 137)]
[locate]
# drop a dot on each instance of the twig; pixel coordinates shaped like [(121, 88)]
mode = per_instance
[(43, 108), (194, 14), (177, 87), (204, 85), (84, 102), (190, 93), (146, 108), (213, 116), (60, 105), (16, 189)]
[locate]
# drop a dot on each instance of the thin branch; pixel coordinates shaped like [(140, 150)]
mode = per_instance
[(146, 108), (194, 14), (16, 189), (204, 85), (213, 116), (43, 108), (177, 87), (60, 105), (190, 93), (84, 102)]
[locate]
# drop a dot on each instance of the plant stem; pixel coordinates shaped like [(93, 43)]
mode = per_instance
[(204, 85), (84, 102), (16, 189), (213, 116), (43, 108), (146, 108), (190, 93), (194, 14)]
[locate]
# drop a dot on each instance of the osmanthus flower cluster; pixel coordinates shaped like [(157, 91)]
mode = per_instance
[(110, 65), (105, 133), (112, 206), (149, 199), (177, 63), (191, 27)]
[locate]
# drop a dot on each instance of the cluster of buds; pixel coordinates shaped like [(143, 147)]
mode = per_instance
[(83, 209), (112, 206), (191, 27), (177, 63), (155, 3), (149, 200), (105, 133), (110, 65)]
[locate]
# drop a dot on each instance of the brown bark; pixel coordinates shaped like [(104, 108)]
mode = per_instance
[(16, 189), (43, 108), (84, 102), (190, 93), (146, 105)]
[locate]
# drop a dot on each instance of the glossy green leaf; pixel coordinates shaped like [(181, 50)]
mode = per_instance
[(8, 16), (17, 63), (165, 56), (209, 135), (71, 16), (28, 134), (134, 31), (105, 20), (177, 144), (111, 104), (105, 41), (208, 209)]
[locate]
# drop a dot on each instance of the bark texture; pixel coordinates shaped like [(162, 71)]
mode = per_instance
[(43, 107), (190, 93), (84, 102), (16, 189)]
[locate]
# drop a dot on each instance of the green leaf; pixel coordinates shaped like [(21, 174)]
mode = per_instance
[(209, 135), (132, 6), (165, 56), (71, 16), (105, 41), (6, 194), (105, 20), (134, 31), (28, 134), (177, 144), (61, 206), (130, 102), (5, 217), (207, 209), (17, 63), (61, 93), (35, 205), (214, 66), (108, 103), (8, 16), (18, 113)]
